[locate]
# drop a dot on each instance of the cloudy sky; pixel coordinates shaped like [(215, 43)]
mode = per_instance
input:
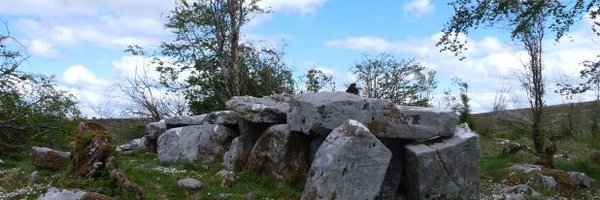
[(82, 43)]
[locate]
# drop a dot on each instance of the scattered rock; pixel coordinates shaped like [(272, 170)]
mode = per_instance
[(350, 164), (34, 178), (561, 178), (444, 169), (517, 192), (235, 158), (192, 187), (191, 143), (179, 121), (1, 161), (524, 168), (270, 109), (223, 196), (511, 148), (281, 153), (321, 112), (53, 193), (136, 145), (580, 179), (224, 117), (524, 173), (90, 148), (155, 129), (49, 158), (227, 177), (547, 181)]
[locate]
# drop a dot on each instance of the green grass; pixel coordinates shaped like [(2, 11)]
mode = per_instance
[(145, 170)]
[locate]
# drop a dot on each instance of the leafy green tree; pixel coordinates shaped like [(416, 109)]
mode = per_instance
[(316, 80), (460, 104), (207, 47), (32, 110), (528, 22), (404, 82)]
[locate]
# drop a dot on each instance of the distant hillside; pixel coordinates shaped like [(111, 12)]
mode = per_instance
[(556, 118), (124, 129)]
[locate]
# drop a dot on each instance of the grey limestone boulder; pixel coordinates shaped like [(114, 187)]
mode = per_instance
[(49, 158), (350, 164), (192, 187), (235, 158), (581, 179), (444, 169), (270, 109), (135, 145), (61, 194), (322, 112), (214, 142), (191, 143), (179, 121), (179, 144), (53, 193), (155, 129), (281, 153)]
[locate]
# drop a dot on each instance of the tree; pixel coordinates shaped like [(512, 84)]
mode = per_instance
[(460, 105), (528, 22), (568, 93), (32, 110), (316, 80), (149, 99), (404, 82), (207, 46)]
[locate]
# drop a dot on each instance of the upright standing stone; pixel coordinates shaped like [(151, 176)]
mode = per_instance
[(281, 153), (350, 164), (214, 142), (179, 144), (444, 169)]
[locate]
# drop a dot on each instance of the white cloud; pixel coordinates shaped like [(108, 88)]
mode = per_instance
[(418, 8), (42, 49), (487, 60), (86, 86), (300, 6), (363, 43), (47, 26)]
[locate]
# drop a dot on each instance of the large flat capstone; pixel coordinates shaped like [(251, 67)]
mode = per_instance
[(322, 112), (445, 169), (269, 109), (350, 164), (179, 121)]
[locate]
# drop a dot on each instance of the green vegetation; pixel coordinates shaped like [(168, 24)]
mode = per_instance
[(158, 181), (402, 81)]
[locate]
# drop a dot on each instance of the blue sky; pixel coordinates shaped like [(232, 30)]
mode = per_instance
[(82, 43)]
